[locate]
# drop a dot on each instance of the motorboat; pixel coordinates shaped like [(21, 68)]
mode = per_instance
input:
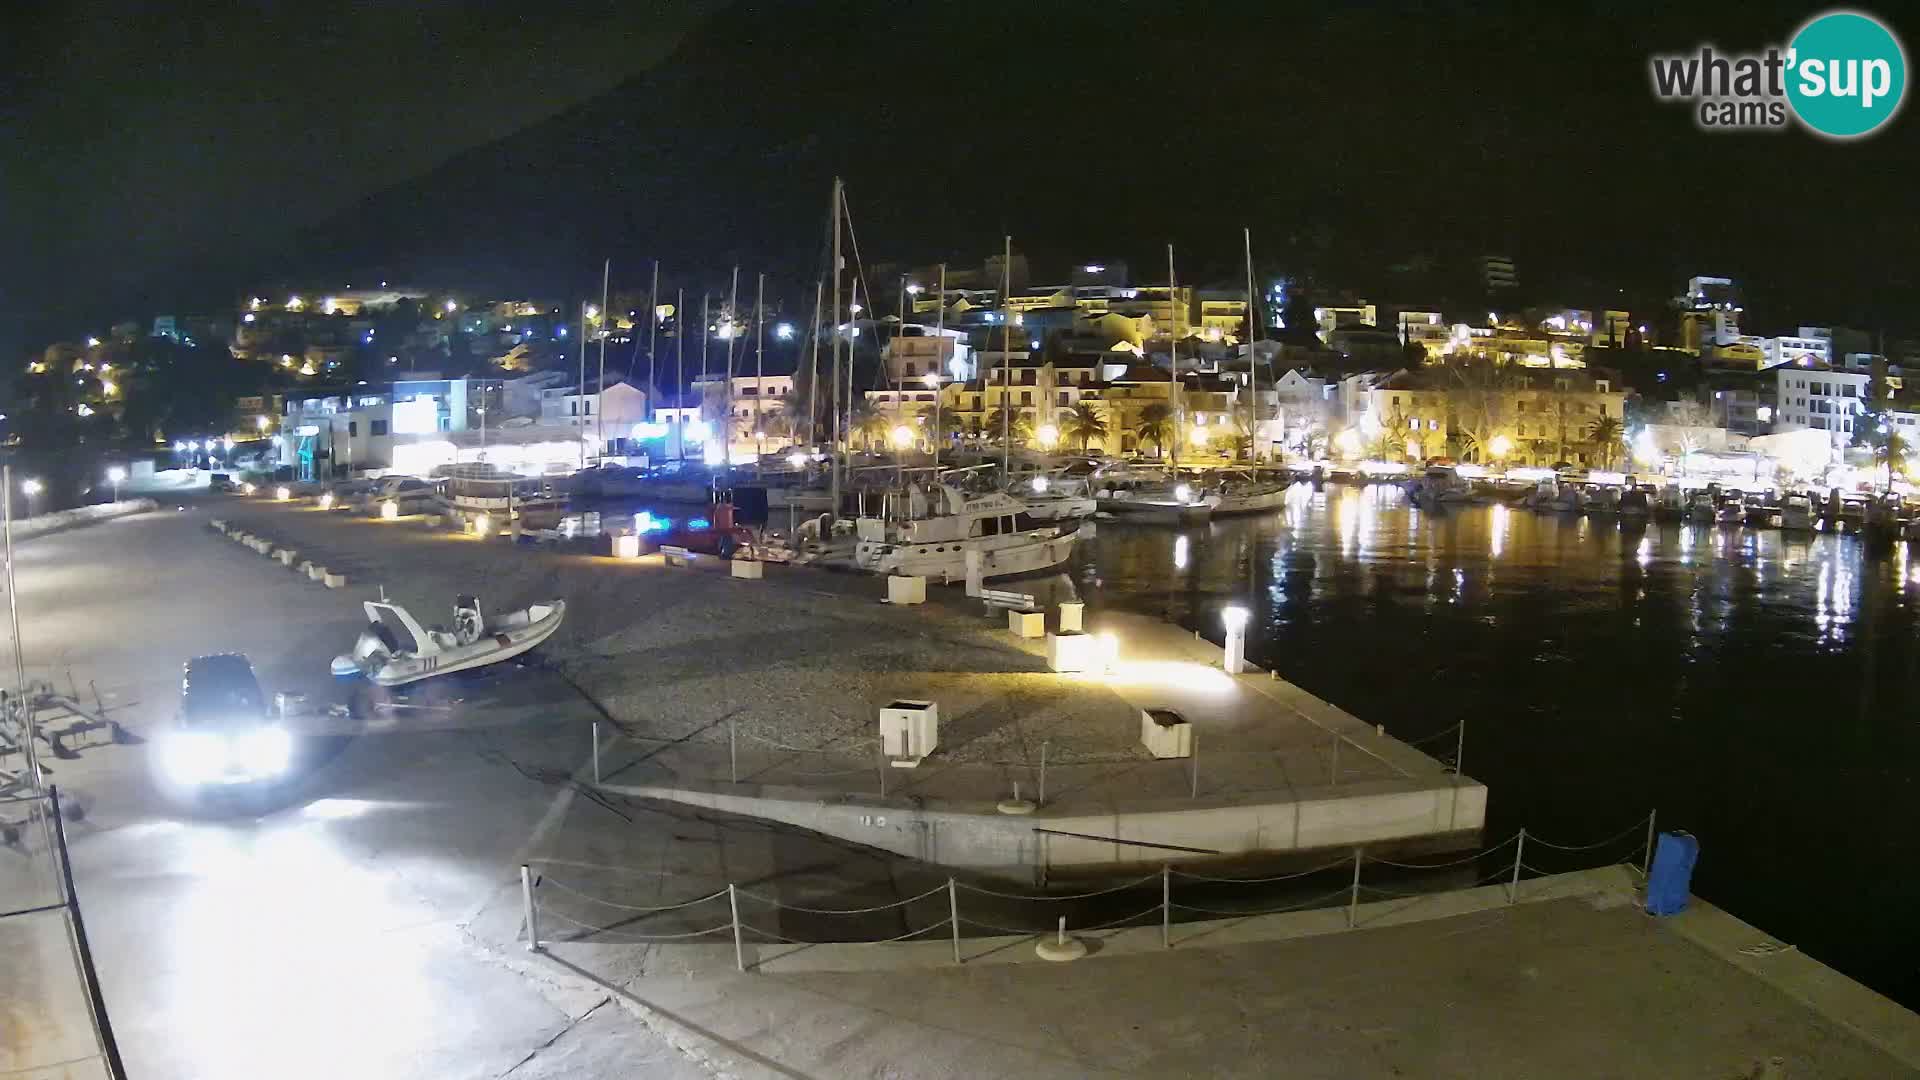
[(482, 492), (395, 650), (1151, 497), (1600, 499), (1635, 505), (1441, 485), (408, 495), (1730, 512), (938, 544), (1554, 497), (1249, 495), (1796, 513), (1702, 509), (1057, 498), (604, 481)]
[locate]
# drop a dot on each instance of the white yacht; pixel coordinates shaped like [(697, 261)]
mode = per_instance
[(1057, 498), (478, 489), (936, 545), (1151, 495), (1249, 494)]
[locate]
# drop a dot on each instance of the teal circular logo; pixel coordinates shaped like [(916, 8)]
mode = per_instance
[(1846, 74)]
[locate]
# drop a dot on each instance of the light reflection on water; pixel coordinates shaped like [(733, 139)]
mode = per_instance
[(1752, 685)]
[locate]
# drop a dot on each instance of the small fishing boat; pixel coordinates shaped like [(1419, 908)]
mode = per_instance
[(479, 491), (1249, 495), (994, 525), (395, 650), (1553, 497), (1057, 498), (1796, 513), (1151, 496), (1702, 509), (1441, 485), (1635, 505)]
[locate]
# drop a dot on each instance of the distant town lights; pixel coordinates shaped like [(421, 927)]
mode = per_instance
[(1501, 446), (784, 331), (453, 305), (902, 436), (93, 343), (116, 474), (1095, 268), (261, 422), (1048, 434)]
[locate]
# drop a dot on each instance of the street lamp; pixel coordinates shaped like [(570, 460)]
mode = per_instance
[(1048, 435), (1501, 446), (261, 422), (902, 437), (32, 488), (114, 476)]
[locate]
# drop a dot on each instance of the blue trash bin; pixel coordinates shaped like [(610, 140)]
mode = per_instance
[(1670, 882)]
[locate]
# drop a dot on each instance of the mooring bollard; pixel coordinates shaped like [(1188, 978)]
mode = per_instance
[(527, 908)]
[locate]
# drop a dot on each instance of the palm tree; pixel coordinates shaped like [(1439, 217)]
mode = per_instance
[(1016, 424), (1606, 432), (869, 423), (783, 414), (1085, 424), (1155, 425)]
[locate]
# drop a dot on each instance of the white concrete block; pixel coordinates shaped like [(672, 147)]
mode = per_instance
[(1070, 613), (906, 589), (909, 731), (1165, 733), (748, 569), (1074, 652), (316, 573), (285, 556), (627, 546), (335, 581), (1027, 624)]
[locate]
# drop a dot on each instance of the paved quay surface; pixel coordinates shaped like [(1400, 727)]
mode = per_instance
[(1573, 981)]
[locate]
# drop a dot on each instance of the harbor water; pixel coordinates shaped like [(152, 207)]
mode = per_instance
[(1755, 688)]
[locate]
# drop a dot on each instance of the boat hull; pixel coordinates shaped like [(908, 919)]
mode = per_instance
[(948, 561), (494, 647)]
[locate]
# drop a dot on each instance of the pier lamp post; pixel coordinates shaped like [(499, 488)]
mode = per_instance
[(902, 437), (114, 476), (1048, 436), (1236, 619), (31, 487), (1501, 446)]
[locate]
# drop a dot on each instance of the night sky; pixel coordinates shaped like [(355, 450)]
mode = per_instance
[(158, 163)]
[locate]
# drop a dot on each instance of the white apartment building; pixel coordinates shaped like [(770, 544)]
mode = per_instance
[(1818, 398)]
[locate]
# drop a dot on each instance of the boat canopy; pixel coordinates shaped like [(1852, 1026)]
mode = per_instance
[(403, 633)]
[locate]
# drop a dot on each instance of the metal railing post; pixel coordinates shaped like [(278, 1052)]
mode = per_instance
[(953, 916), (1194, 752), (1519, 849), (1460, 750), (1043, 774), (1646, 866), (733, 752), (880, 757), (528, 910), (96, 1001), (596, 751), (1353, 895), (1166, 906), (733, 906)]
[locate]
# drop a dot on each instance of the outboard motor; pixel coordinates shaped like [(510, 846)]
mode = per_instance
[(370, 650), (468, 624)]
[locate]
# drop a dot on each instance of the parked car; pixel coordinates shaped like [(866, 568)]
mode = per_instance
[(223, 482), (223, 733)]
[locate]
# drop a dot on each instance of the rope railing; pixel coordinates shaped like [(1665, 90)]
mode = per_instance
[(1509, 871)]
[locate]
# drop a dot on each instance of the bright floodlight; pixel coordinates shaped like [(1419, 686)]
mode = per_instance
[(116, 474), (1048, 434), (1183, 493), (453, 305), (389, 510), (855, 308), (93, 343), (282, 493), (915, 290), (179, 447), (797, 459), (1501, 446), (1235, 617), (903, 436), (1039, 485), (261, 422), (30, 486), (227, 443), (784, 331)]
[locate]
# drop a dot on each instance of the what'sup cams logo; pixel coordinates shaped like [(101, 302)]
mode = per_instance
[(1842, 77)]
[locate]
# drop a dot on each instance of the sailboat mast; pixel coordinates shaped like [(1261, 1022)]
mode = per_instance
[(582, 391), (1006, 361), (680, 369), (759, 368), (733, 332), (600, 389), (939, 364), (653, 324), (833, 320), (813, 370), (1253, 359), (1173, 356)]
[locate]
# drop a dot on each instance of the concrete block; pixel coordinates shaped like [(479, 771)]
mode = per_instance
[(627, 546), (748, 569), (316, 573), (218, 524), (1165, 733), (906, 589), (676, 556), (909, 731), (1070, 612), (284, 555), (334, 581), (1074, 651), (305, 569), (1027, 624)]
